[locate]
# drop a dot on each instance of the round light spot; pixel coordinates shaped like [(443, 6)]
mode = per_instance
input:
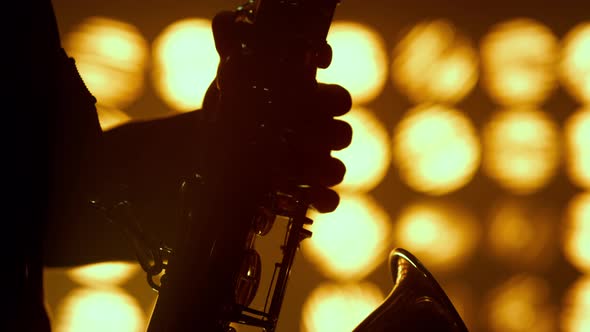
[(443, 236), (332, 307), (575, 314), (436, 149), (521, 233), (577, 138), (521, 149), (350, 242), (103, 274), (111, 57), (518, 59), (521, 304), (435, 63), (359, 60), (576, 233), (574, 66), (99, 310), (185, 63)]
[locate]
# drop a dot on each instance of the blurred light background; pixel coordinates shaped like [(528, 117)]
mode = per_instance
[(471, 149)]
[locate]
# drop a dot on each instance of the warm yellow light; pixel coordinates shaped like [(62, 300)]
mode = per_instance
[(332, 307), (111, 117), (577, 138), (98, 311), (521, 234), (518, 59), (350, 242), (359, 61), (368, 157), (103, 274), (576, 240), (111, 56), (522, 149), (436, 149), (185, 63), (442, 236), (574, 65), (575, 316), (521, 304), (435, 63)]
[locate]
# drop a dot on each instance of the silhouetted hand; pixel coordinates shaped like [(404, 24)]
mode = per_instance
[(300, 152)]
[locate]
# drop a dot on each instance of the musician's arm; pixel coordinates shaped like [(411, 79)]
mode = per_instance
[(148, 159)]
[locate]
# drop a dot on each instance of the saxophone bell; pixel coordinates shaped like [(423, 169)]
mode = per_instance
[(416, 302)]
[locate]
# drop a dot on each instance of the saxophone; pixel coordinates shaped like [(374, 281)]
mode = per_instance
[(212, 275)]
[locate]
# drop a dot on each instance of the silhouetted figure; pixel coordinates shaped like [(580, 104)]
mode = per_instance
[(59, 158)]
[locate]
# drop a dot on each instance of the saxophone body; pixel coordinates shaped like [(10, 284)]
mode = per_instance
[(213, 273)]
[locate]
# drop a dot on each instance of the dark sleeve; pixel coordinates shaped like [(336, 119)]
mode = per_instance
[(143, 162)]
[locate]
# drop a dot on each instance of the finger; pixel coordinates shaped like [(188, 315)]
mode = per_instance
[(321, 137), (335, 134), (328, 172), (333, 99), (322, 199), (224, 32)]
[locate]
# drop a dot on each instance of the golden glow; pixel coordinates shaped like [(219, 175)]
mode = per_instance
[(521, 234), (103, 274), (442, 236), (434, 63), (359, 60), (522, 149), (575, 316), (185, 63), (518, 59), (576, 244), (577, 137), (368, 157), (332, 307), (350, 242), (521, 304), (98, 311), (111, 117), (574, 66), (111, 57), (461, 296), (436, 149)]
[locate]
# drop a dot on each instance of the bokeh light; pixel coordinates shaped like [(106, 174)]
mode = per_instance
[(577, 139), (435, 63), (574, 65), (185, 63), (333, 307), (111, 58), (521, 233), (575, 315), (368, 157), (576, 233), (436, 149), (92, 310), (521, 149), (103, 274), (521, 304), (111, 117), (442, 235), (518, 61), (359, 60), (350, 242)]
